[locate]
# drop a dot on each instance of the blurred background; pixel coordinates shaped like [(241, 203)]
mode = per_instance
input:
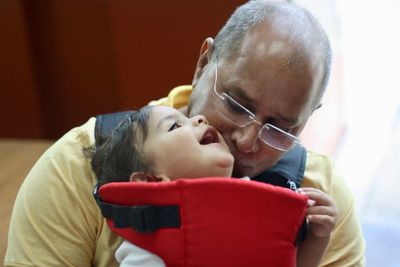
[(62, 62)]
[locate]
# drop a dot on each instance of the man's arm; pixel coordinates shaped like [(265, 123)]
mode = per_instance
[(55, 220), (347, 245)]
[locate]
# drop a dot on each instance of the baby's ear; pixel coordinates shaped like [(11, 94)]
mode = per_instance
[(138, 177), (145, 177), (162, 178)]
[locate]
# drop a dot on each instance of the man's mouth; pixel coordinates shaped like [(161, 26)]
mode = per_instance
[(210, 136)]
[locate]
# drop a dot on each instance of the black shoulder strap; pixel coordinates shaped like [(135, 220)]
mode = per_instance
[(106, 123), (289, 169), (288, 172)]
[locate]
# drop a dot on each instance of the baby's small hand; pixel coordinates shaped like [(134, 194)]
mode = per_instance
[(321, 213)]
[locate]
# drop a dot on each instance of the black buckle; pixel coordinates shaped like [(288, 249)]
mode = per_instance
[(143, 218)]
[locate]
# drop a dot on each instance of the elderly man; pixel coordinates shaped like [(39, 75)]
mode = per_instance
[(258, 83)]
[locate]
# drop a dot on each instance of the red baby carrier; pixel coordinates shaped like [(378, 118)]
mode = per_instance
[(212, 221)]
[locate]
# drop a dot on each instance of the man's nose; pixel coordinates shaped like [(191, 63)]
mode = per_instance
[(199, 119), (246, 138)]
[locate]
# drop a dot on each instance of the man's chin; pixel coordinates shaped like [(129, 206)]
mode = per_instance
[(243, 170)]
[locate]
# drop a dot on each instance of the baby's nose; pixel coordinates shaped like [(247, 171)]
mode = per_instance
[(199, 119)]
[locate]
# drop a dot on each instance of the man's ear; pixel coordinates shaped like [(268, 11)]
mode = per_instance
[(204, 59)]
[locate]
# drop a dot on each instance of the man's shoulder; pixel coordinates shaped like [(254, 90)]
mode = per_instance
[(76, 138), (66, 157), (319, 171), (317, 160)]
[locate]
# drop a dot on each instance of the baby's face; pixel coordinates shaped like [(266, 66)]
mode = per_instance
[(181, 147)]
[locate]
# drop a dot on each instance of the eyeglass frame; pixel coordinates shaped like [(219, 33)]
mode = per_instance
[(252, 118)]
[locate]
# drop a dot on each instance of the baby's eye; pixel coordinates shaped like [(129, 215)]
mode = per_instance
[(174, 126)]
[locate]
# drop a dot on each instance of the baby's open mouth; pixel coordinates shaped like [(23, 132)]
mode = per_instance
[(210, 136)]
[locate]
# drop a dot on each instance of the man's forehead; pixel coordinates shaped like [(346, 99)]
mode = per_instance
[(286, 40)]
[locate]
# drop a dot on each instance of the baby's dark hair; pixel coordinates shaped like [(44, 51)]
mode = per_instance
[(120, 155)]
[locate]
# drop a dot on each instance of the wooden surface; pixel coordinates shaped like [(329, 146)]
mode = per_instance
[(16, 159)]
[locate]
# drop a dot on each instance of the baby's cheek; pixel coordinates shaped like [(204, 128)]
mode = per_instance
[(226, 164), (227, 161)]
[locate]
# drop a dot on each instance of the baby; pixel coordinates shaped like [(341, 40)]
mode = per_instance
[(153, 140)]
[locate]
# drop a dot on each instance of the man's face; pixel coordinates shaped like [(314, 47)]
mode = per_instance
[(269, 80)]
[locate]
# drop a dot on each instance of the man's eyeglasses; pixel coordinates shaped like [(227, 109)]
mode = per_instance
[(237, 114)]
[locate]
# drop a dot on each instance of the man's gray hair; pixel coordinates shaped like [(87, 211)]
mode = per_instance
[(228, 40)]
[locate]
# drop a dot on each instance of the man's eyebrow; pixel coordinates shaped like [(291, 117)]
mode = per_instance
[(240, 93), (243, 97), (249, 104), (292, 121), (164, 119)]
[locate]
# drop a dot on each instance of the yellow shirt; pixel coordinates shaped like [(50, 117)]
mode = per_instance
[(56, 222)]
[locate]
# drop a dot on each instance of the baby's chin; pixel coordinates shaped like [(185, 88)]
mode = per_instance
[(226, 165)]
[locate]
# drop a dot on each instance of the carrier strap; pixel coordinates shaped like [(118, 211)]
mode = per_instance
[(142, 218)]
